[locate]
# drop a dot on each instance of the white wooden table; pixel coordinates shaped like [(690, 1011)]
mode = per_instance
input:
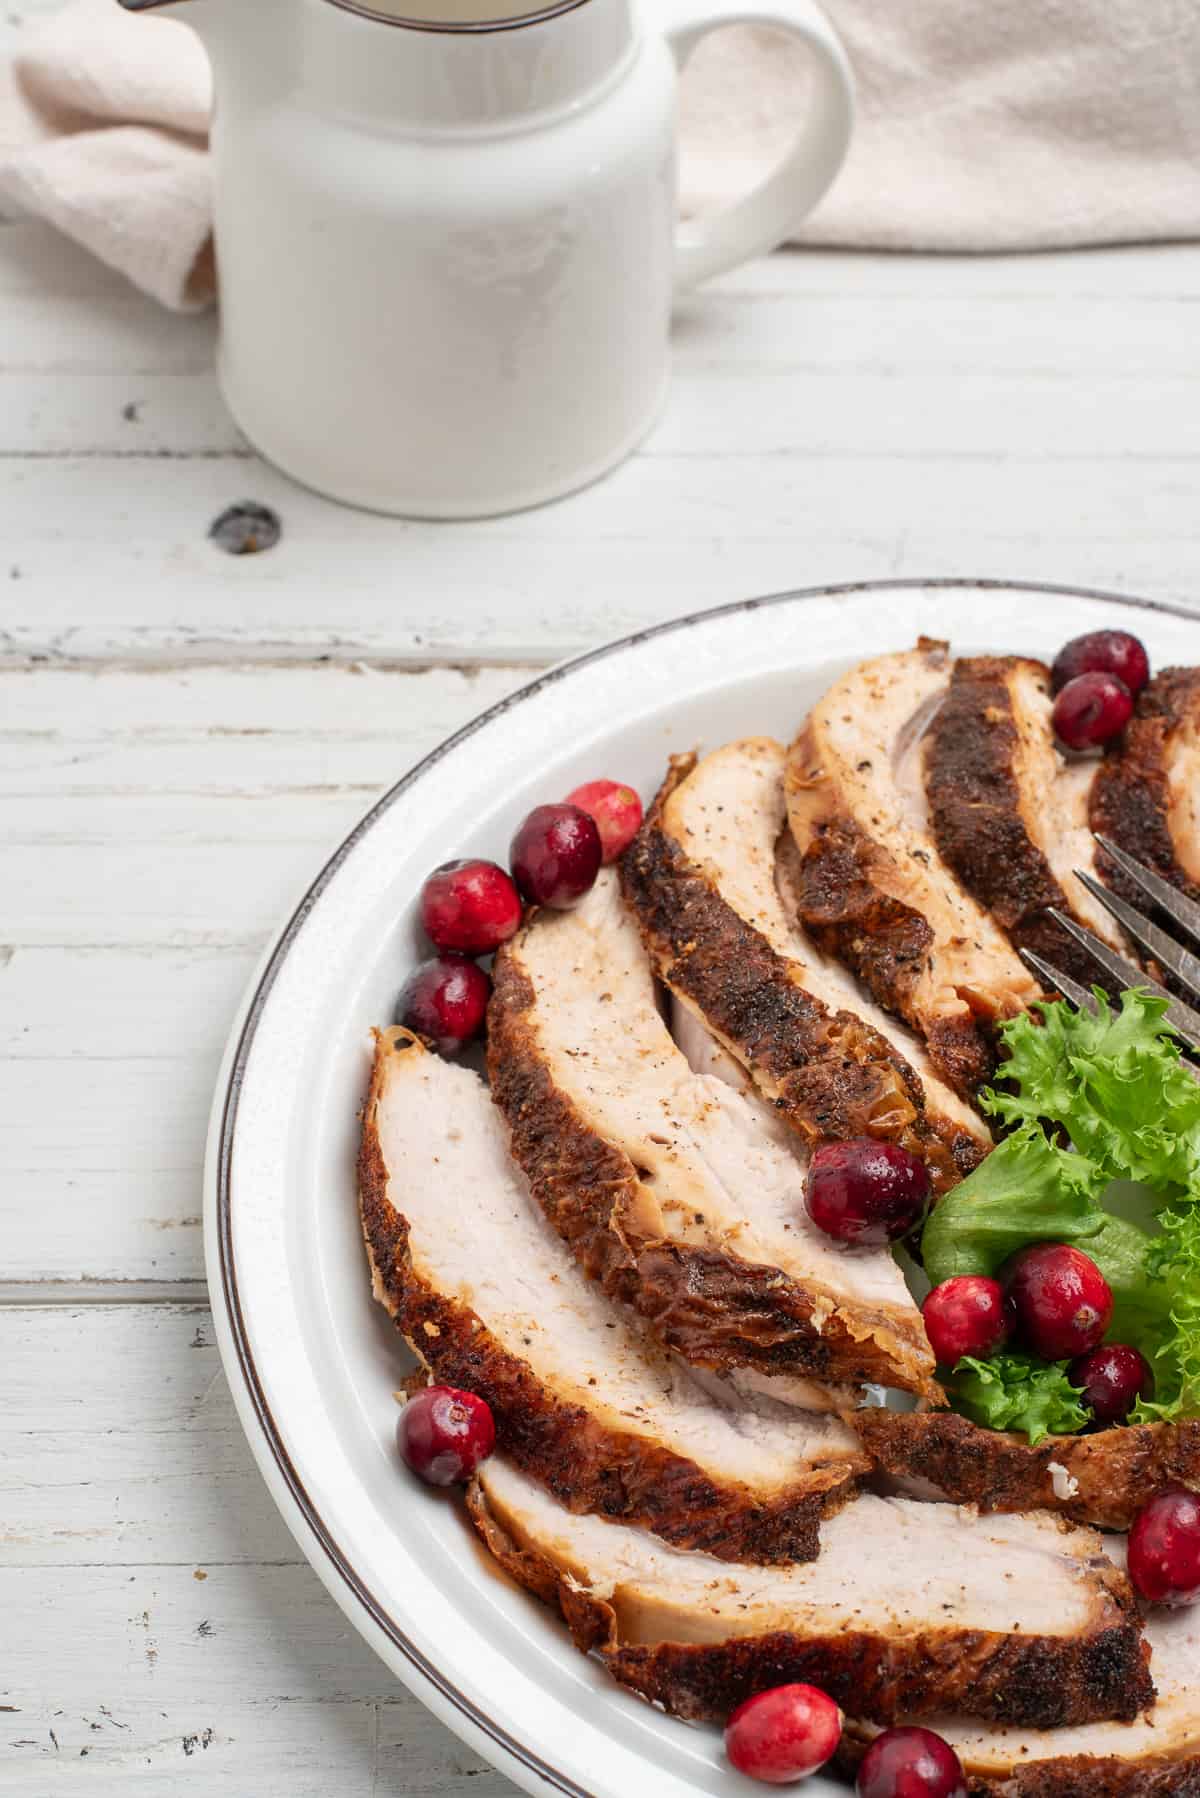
[(184, 734)]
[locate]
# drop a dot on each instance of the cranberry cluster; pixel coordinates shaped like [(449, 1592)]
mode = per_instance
[(785, 1734), (469, 908), (1096, 678), (1054, 1301)]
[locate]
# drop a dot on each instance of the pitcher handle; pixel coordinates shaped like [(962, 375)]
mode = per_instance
[(767, 215)]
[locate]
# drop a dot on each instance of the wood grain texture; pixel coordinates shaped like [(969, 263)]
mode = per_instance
[(157, 827), (168, 1625), (833, 417), (184, 735)]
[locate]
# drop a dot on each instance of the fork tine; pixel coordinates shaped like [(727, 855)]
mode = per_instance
[(1054, 980), (1121, 973), (1181, 962), (1184, 911)]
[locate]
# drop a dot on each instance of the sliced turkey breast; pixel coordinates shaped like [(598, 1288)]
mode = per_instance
[(1146, 795), (873, 889), (1158, 1756), (1103, 1479), (793, 1389), (1010, 812), (676, 1192), (701, 882), (705, 1055), (911, 1609), (585, 1399)]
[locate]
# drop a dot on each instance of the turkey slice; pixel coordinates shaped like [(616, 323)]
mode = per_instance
[(1158, 1756), (873, 889), (1010, 811), (1146, 796), (1103, 1478), (585, 1398), (911, 1610), (673, 1189), (703, 883)]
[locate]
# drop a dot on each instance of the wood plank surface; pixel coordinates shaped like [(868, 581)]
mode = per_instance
[(160, 1623), (833, 417), (184, 736), (157, 827)]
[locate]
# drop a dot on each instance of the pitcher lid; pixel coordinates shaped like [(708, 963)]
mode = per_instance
[(458, 15)]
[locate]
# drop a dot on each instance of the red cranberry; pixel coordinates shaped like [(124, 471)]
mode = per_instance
[(1112, 1378), (968, 1315), (617, 812), (1090, 710), (1102, 652), (1063, 1302), (470, 906), (444, 1434), (783, 1735), (910, 1763), (866, 1192), (1164, 1548), (556, 855), (445, 1000)]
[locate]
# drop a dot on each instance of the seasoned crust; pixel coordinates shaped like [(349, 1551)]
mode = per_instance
[(1045, 1683), (828, 1073), (587, 1465), (975, 807), (1131, 797), (1030, 1682), (706, 1303), (885, 942), (1066, 1776), (1115, 1471), (1078, 1775)]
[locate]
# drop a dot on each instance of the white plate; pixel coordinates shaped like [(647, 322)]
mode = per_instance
[(312, 1361)]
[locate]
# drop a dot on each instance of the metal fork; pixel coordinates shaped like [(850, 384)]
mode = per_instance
[(1182, 963)]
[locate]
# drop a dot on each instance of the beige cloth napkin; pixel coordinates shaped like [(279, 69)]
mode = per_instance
[(104, 131), (982, 127)]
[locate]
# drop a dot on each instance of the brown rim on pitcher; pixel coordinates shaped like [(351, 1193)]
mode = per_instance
[(454, 27)]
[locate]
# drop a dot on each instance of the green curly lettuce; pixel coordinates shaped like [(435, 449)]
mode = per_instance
[(1017, 1392), (1115, 1081), (1172, 1342), (1090, 1099)]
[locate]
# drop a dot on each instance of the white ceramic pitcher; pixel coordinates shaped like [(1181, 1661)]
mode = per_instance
[(447, 239)]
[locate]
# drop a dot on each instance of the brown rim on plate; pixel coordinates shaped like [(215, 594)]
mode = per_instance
[(374, 1607)]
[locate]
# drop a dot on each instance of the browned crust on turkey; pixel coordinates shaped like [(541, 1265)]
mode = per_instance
[(1130, 799), (713, 1308), (1116, 1470), (1087, 1776), (585, 1464), (1032, 1682), (882, 940), (828, 1073), (1069, 1776), (975, 809)]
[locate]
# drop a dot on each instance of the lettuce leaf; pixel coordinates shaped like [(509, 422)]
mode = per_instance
[(1027, 1190), (1017, 1392), (1141, 1295), (1117, 1084), (1173, 1341)]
